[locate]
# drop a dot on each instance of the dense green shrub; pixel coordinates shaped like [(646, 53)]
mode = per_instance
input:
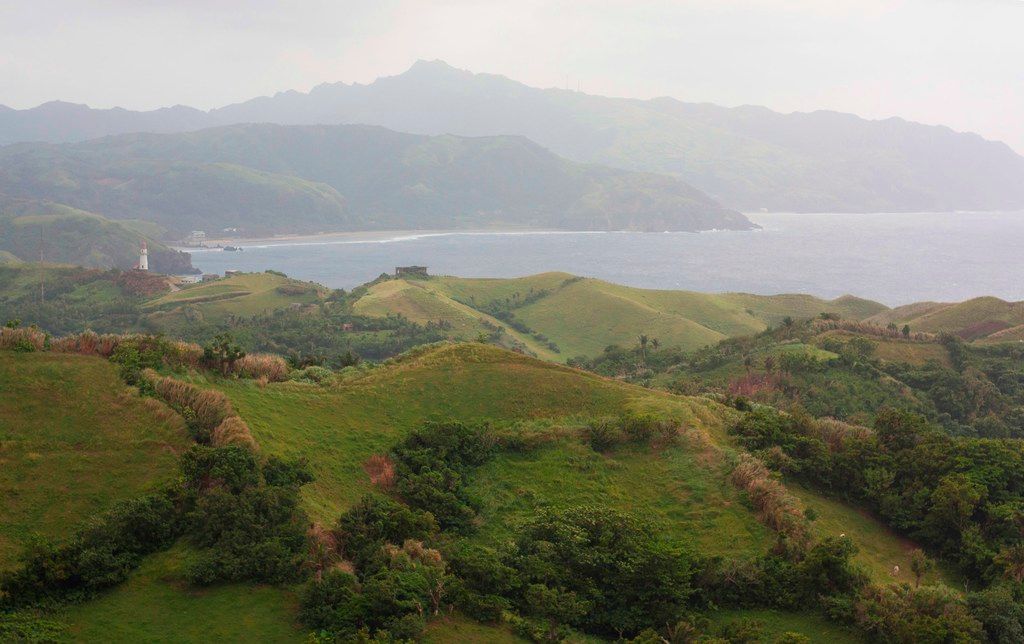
[(232, 467), (962, 496), (246, 529), (432, 463), (375, 521), (98, 556), (600, 570)]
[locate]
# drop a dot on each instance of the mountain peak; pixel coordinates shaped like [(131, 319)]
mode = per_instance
[(435, 69)]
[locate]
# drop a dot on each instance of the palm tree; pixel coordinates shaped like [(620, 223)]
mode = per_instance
[(643, 348), (1011, 558), (655, 344), (748, 362)]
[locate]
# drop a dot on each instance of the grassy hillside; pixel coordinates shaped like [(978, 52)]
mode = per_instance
[(265, 178), (239, 295), (682, 489), (979, 318), (73, 440), (583, 316), (72, 236), (155, 605)]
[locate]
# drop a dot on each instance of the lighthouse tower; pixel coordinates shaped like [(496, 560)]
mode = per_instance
[(144, 257)]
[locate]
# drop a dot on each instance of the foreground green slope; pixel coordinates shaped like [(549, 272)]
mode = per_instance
[(74, 439), (155, 605), (339, 428), (583, 316), (683, 489)]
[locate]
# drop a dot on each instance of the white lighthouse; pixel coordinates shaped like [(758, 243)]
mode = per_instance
[(144, 257)]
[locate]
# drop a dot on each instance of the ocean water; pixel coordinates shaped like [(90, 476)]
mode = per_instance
[(892, 258)]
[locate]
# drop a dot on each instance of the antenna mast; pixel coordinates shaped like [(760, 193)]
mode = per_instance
[(42, 270)]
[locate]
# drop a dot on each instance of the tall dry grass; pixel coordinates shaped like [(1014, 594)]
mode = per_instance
[(89, 343), (836, 434), (381, 471), (262, 365), (22, 337), (233, 431), (207, 408), (820, 326), (185, 354), (774, 505)]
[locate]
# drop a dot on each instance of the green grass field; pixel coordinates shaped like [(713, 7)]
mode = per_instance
[(776, 622), (155, 605), (421, 302), (686, 499), (682, 490), (975, 318), (880, 549), (339, 428), (74, 439), (240, 295)]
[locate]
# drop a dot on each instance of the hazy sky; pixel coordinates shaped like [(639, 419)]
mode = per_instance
[(956, 62)]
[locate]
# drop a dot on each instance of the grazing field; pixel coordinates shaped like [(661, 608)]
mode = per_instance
[(73, 440), (239, 295), (688, 500), (684, 491), (776, 622), (879, 548), (338, 428), (420, 302), (156, 605), (974, 319)]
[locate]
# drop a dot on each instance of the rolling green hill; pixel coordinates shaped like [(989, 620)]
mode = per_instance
[(240, 295), (683, 489), (583, 316), (265, 179), (978, 318), (67, 235), (73, 440)]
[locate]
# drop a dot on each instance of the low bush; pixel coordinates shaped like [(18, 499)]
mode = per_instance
[(313, 374)]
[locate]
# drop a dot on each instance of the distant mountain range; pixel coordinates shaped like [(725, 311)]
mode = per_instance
[(746, 157), (267, 178)]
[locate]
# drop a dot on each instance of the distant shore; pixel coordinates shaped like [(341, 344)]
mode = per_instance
[(364, 236)]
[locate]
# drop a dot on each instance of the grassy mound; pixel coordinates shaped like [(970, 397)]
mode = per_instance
[(979, 318), (238, 295), (74, 439), (684, 489)]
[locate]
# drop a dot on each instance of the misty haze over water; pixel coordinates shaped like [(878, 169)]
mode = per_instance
[(892, 258)]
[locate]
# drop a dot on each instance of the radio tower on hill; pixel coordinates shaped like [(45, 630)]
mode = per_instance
[(144, 257)]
